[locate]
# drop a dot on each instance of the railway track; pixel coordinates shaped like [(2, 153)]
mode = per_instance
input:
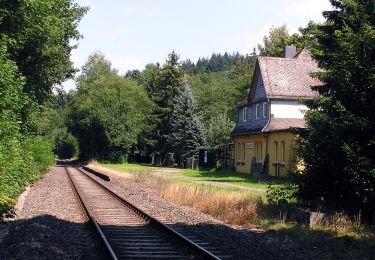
[(125, 230)]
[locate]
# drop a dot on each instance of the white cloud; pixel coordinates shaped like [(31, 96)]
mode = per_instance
[(133, 11), (153, 11), (111, 35), (245, 41), (128, 10), (88, 4), (307, 10), (123, 64)]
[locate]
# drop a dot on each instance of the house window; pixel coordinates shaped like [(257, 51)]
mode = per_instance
[(258, 152), (257, 111), (205, 156), (264, 109), (243, 150), (276, 151), (282, 151), (244, 114)]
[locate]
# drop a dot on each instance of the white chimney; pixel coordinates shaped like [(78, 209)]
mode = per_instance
[(290, 51)]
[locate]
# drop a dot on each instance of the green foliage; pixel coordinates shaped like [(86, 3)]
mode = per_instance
[(95, 68), (162, 85), (34, 56), (218, 130), (218, 84), (185, 132), (338, 147), (278, 37), (39, 33), (282, 192), (217, 62), (66, 145), (108, 115), (218, 92), (40, 150)]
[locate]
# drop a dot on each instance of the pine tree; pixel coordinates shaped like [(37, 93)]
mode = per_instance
[(185, 131), (165, 84), (338, 147)]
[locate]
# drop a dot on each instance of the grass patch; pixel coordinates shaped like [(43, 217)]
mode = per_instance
[(128, 167), (232, 206), (339, 238), (351, 243), (225, 176)]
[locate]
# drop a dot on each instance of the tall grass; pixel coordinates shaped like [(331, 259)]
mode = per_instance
[(236, 208)]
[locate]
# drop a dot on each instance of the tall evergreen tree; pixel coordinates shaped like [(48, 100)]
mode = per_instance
[(185, 131), (167, 85), (338, 147)]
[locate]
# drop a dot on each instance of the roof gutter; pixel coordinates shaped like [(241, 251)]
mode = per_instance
[(269, 116)]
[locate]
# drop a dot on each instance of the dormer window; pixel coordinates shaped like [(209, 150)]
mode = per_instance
[(257, 111), (244, 114), (264, 109)]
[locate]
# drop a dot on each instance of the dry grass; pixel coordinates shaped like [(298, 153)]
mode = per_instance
[(232, 208), (236, 208)]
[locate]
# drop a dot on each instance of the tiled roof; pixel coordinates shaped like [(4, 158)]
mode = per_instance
[(244, 130), (284, 124), (276, 124), (289, 77)]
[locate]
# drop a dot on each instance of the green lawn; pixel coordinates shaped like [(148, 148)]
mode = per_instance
[(226, 176)]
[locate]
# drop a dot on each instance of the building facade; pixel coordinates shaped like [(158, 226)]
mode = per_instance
[(263, 136)]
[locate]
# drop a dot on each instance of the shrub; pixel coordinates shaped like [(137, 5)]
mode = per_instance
[(281, 192), (40, 150)]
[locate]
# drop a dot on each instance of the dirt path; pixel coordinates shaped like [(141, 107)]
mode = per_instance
[(176, 175)]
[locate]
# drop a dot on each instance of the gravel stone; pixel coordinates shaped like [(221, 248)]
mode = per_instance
[(50, 224), (237, 242)]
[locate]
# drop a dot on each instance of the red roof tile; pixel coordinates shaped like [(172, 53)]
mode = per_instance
[(284, 124), (289, 78)]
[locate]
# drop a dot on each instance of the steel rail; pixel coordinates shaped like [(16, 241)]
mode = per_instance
[(193, 247), (91, 218)]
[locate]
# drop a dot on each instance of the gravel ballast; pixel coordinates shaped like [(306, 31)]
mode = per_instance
[(50, 224), (239, 243)]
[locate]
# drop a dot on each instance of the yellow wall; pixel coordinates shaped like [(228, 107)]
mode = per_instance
[(268, 146), (288, 138), (243, 165)]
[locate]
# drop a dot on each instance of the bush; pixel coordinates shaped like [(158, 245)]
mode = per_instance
[(281, 192), (21, 164), (40, 149)]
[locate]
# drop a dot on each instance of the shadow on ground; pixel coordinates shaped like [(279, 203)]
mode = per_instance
[(46, 237)]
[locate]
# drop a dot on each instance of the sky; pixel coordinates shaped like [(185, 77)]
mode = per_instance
[(134, 33)]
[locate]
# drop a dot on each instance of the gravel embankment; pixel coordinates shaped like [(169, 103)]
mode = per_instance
[(239, 243), (50, 225)]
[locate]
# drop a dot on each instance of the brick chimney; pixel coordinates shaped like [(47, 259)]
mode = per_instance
[(290, 51)]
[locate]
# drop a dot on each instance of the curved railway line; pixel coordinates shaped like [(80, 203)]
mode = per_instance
[(125, 230)]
